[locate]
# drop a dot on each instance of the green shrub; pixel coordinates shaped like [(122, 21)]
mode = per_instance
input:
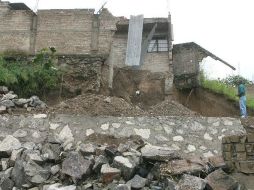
[(235, 80), (29, 78)]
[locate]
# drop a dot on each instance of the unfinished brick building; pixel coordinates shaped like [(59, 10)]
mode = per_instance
[(143, 44)]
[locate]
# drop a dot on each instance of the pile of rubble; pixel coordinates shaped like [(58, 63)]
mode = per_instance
[(9, 100), (94, 104), (62, 164)]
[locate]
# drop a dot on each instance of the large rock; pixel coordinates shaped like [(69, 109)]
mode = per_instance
[(35, 173), (3, 109), (158, 153), (51, 152), (3, 89), (21, 102), (87, 149), (176, 167), (6, 183), (219, 180), (76, 166), (9, 144), (7, 103), (18, 174), (36, 102), (189, 182), (9, 96), (125, 165), (108, 174), (122, 187), (58, 186), (33, 155), (137, 182), (65, 135), (99, 161)]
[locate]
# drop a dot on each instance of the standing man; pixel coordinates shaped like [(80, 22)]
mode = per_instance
[(242, 99)]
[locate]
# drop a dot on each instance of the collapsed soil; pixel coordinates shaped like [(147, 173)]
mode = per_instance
[(93, 104)]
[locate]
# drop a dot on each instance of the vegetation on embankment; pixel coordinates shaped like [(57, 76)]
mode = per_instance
[(26, 78), (227, 87)]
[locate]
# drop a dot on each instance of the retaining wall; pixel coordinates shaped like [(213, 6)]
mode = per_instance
[(238, 152)]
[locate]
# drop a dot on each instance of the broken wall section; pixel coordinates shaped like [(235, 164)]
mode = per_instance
[(238, 152)]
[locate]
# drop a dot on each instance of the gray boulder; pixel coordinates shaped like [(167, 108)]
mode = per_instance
[(9, 144), (189, 182), (122, 187), (58, 186), (125, 165), (137, 182), (6, 183), (99, 161), (87, 149), (3, 109), (9, 96), (35, 173), (76, 166), (3, 90), (108, 174), (18, 174), (21, 102), (219, 180), (157, 153), (51, 152), (7, 103), (36, 102)]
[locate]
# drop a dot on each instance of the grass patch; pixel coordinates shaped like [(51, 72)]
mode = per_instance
[(226, 90)]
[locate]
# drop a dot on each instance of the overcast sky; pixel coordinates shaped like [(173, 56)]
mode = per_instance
[(224, 27)]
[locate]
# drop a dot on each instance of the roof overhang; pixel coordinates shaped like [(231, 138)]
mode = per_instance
[(203, 52)]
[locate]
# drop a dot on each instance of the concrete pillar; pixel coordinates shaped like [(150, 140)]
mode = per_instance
[(134, 44)]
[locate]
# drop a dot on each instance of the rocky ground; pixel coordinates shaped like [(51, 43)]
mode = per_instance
[(37, 153), (60, 164)]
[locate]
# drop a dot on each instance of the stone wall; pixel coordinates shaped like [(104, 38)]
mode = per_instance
[(190, 136), (238, 152)]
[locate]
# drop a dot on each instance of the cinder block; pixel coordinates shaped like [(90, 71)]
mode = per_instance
[(243, 138), (225, 140), (240, 147), (227, 156), (234, 138), (227, 147), (250, 137), (249, 148), (241, 156), (247, 167)]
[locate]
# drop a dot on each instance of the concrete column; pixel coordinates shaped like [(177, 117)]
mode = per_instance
[(134, 44)]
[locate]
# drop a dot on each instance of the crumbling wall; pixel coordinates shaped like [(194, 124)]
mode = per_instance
[(238, 152), (82, 73), (186, 66), (107, 28), (15, 29)]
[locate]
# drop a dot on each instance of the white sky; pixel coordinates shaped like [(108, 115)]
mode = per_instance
[(224, 27)]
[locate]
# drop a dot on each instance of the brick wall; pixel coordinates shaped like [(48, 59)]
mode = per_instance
[(15, 29), (238, 152), (155, 62), (185, 66), (69, 31)]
